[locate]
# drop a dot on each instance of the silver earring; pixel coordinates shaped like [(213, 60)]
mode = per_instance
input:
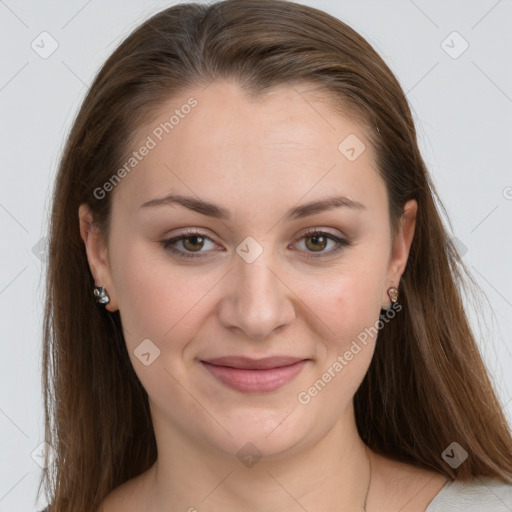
[(101, 295)]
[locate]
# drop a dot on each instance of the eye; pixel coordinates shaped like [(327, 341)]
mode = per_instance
[(192, 243), (316, 241)]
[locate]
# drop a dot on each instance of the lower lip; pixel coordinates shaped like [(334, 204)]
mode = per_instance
[(255, 381)]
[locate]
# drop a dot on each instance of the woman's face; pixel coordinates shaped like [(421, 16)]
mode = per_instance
[(294, 311)]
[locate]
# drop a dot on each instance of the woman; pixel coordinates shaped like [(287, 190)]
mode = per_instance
[(258, 306)]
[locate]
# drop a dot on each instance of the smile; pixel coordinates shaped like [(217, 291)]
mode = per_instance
[(254, 375)]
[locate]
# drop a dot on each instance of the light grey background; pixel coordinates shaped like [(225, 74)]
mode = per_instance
[(462, 107)]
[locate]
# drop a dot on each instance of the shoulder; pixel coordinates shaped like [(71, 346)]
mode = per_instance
[(482, 494)]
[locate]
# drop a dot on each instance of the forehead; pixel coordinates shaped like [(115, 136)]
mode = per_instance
[(221, 138)]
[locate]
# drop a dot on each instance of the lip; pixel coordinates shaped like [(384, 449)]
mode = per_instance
[(254, 375)]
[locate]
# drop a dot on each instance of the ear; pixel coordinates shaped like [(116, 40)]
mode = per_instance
[(97, 254), (401, 247)]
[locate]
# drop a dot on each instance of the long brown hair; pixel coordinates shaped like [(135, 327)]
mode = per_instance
[(426, 386)]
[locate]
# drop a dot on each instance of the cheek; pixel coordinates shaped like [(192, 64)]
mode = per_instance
[(146, 297), (156, 309), (157, 300), (348, 300), (348, 307)]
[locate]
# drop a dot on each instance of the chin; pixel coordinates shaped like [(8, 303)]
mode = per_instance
[(260, 432)]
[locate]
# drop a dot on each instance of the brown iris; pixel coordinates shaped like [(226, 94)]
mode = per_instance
[(196, 245), (316, 239)]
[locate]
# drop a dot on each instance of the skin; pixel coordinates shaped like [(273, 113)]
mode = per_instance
[(258, 159)]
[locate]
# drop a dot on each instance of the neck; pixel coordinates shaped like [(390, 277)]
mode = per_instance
[(330, 473)]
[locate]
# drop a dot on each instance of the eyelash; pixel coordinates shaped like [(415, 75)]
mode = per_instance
[(167, 244)]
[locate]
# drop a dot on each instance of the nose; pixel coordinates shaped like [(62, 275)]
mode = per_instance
[(257, 300)]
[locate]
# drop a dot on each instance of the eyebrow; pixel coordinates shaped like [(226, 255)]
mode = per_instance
[(212, 210)]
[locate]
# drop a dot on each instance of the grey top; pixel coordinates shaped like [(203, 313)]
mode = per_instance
[(482, 495)]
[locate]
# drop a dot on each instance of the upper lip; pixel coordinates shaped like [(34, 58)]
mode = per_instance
[(247, 363)]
